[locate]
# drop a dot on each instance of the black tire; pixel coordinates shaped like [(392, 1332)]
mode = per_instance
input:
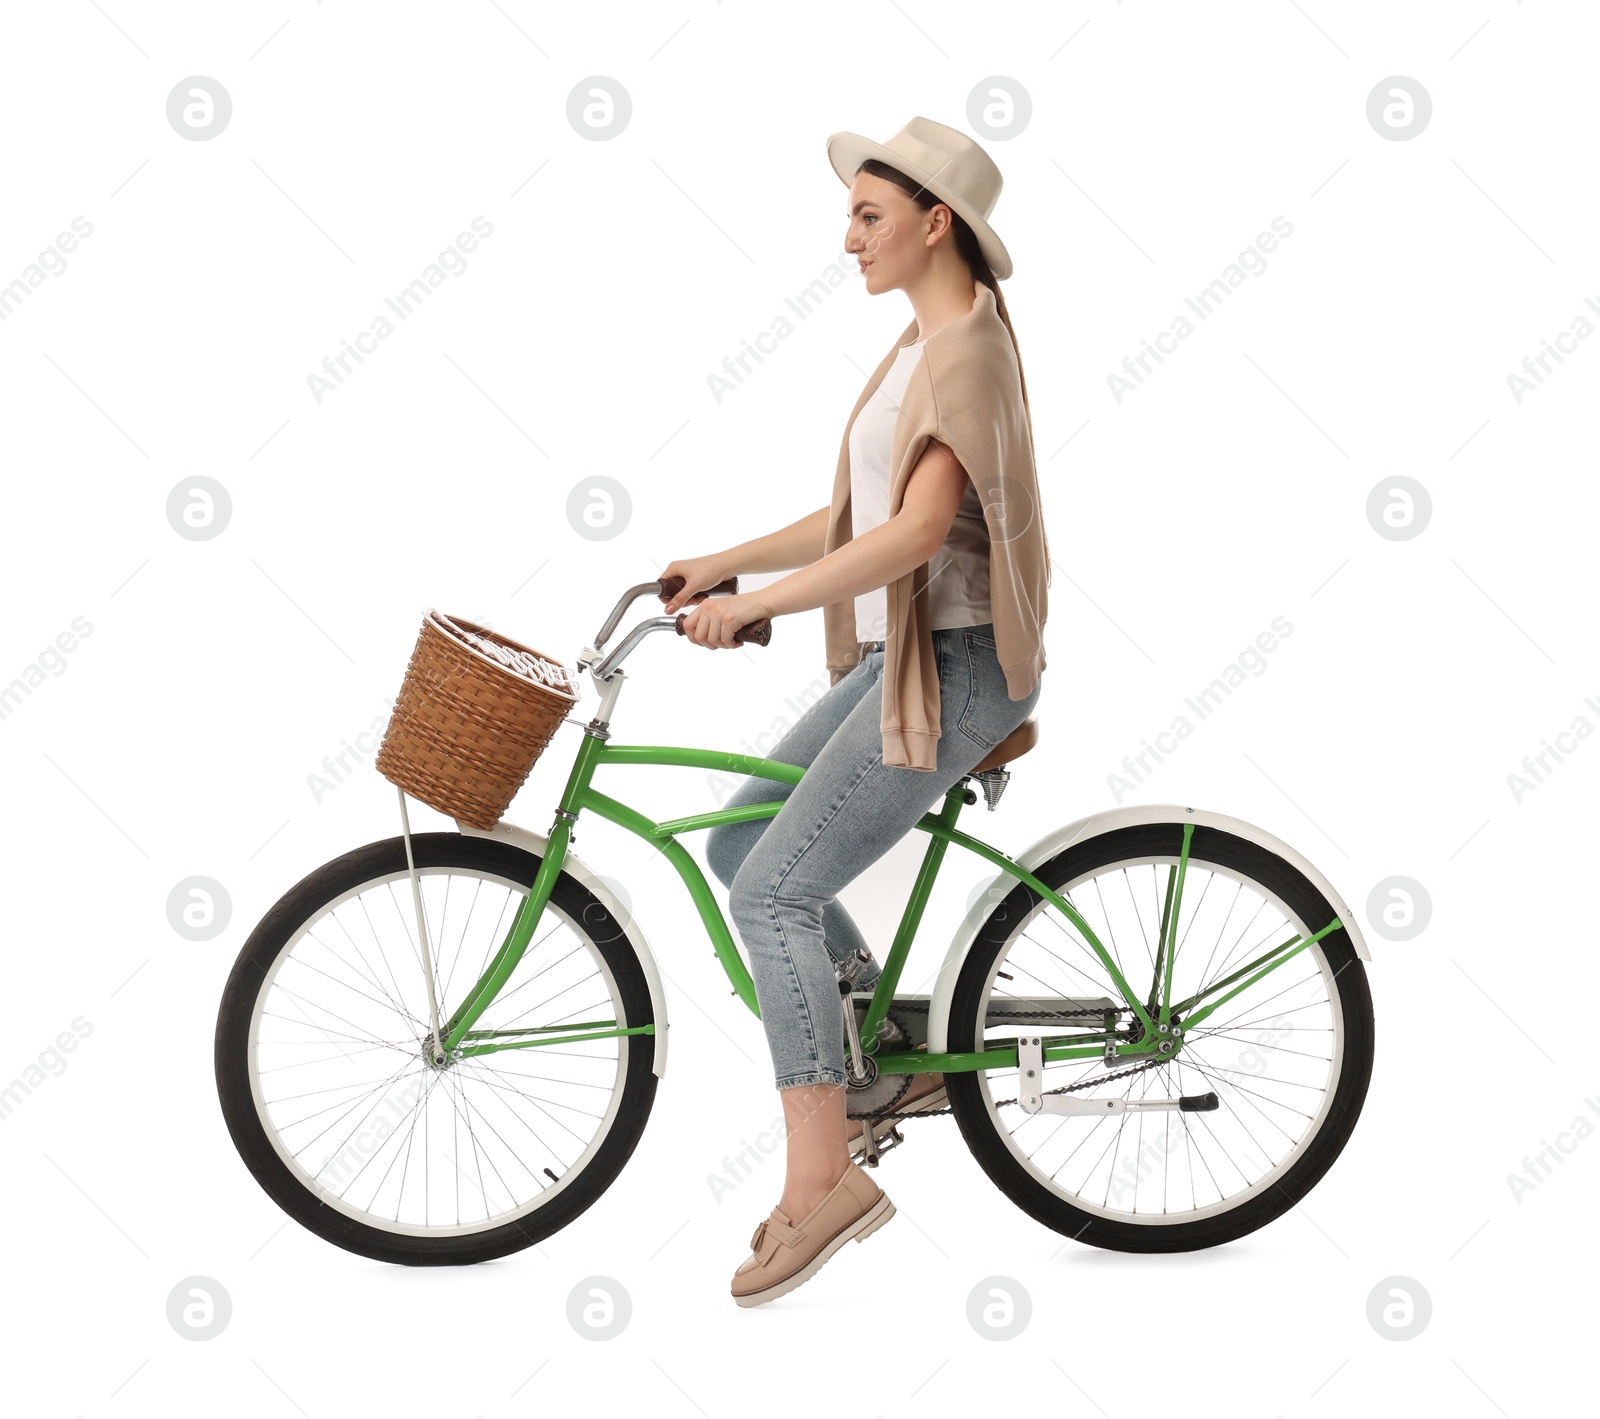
[(305, 903), (967, 1091)]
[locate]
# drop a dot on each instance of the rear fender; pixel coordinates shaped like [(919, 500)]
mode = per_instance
[(1091, 826)]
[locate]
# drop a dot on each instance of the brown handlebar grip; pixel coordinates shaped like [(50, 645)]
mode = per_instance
[(672, 585), (756, 633)]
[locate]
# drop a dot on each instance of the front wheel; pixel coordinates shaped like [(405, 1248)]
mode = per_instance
[(323, 1043), (1288, 1058)]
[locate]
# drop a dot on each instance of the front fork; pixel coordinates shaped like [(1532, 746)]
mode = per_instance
[(507, 958)]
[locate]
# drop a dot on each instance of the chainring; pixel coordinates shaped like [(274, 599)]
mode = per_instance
[(886, 1090)]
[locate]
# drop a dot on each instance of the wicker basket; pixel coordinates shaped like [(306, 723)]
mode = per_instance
[(475, 712)]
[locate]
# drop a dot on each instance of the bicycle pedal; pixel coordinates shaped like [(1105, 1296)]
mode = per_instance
[(874, 1145)]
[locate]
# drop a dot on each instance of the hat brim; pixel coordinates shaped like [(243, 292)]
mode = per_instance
[(846, 153)]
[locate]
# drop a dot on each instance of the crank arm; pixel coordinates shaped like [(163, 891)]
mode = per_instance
[(860, 1068)]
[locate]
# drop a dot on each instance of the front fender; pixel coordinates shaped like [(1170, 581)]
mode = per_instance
[(531, 841), (1092, 826)]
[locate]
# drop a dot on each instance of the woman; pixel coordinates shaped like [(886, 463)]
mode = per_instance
[(930, 565)]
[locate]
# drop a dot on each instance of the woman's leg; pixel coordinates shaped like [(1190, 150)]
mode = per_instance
[(847, 812), (728, 844)]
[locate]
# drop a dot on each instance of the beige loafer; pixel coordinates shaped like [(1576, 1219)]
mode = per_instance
[(785, 1254)]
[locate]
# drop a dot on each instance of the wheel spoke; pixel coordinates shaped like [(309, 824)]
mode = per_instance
[(1273, 1053), (343, 1086)]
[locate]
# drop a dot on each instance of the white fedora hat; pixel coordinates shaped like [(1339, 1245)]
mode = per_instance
[(947, 163)]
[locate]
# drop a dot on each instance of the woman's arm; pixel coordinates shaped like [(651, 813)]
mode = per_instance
[(875, 558), (797, 545), (886, 552)]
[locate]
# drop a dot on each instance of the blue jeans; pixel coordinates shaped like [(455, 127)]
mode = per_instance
[(784, 872)]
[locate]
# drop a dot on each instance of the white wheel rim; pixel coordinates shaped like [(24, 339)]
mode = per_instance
[(1001, 1083), (262, 1054)]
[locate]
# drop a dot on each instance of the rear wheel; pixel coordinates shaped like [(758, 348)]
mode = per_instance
[(1289, 1058), (322, 1063)]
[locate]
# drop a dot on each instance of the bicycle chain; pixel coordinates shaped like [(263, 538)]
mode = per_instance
[(1064, 1089)]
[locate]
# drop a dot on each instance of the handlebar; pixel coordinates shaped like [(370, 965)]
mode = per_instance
[(756, 633), (672, 585), (602, 663)]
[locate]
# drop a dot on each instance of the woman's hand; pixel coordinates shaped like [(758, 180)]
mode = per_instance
[(712, 622), (698, 573)]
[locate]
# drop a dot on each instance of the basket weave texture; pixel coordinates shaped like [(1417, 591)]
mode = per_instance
[(474, 713)]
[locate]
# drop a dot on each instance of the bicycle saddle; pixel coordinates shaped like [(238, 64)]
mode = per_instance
[(1013, 746)]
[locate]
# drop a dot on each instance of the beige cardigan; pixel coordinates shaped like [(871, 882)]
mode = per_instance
[(966, 392)]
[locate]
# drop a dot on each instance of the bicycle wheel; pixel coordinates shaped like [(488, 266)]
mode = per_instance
[(1289, 1058), (334, 1105)]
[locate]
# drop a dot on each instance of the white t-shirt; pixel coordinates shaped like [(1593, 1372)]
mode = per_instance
[(958, 573)]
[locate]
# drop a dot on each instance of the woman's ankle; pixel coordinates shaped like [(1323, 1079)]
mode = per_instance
[(802, 1194)]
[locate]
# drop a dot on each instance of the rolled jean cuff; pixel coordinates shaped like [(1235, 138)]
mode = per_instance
[(815, 1076)]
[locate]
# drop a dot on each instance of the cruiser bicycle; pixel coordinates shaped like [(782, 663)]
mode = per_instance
[(1154, 1023)]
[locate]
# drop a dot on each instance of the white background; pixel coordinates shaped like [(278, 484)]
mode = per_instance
[(1230, 488)]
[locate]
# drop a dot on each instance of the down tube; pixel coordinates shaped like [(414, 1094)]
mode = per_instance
[(663, 836)]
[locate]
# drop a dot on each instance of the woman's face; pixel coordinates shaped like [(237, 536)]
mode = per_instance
[(888, 233)]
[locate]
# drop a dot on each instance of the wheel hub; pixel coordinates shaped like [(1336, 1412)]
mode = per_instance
[(426, 1050)]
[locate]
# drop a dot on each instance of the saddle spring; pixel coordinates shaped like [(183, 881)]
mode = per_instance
[(993, 782)]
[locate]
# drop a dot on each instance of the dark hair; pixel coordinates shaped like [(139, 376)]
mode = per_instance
[(969, 251)]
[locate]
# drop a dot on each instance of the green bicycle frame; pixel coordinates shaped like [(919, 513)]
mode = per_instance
[(1156, 1014)]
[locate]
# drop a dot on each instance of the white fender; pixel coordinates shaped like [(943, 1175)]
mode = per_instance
[(1092, 826), (531, 841)]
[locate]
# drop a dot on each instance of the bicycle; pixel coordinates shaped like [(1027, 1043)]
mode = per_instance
[(463, 1146)]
